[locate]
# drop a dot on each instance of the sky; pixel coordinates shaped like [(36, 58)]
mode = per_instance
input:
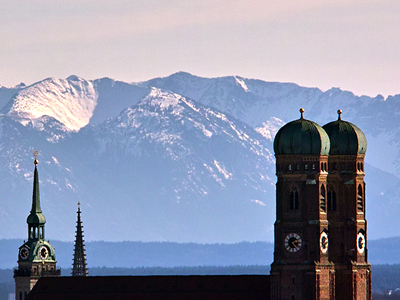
[(350, 44)]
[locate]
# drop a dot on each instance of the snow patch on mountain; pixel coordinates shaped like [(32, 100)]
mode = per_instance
[(242, 84), (70, 101), (270, 128), (221, 168)]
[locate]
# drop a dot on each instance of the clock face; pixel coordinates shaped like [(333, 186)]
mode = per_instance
[(323, 242), (293, 242), (24, 253), (360, 242), (43, 252)]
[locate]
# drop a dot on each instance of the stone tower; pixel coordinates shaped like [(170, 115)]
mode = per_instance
[(79, 265), (346, 210), (36, 257), (301, 267), (320, 228)]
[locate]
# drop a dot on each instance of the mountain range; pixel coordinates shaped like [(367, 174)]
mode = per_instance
[(180, 158)]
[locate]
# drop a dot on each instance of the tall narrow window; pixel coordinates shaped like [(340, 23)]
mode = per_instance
[(360, 198), (294, 199), (331, 199), (322, 200)]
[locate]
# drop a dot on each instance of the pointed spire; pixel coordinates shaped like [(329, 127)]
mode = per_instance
[(79, 265), (36, 195), (36, 216)]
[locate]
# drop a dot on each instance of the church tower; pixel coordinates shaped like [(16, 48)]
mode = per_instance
[(301, 267), (36, 257), (79, 265), (320, 228), (346, 210)]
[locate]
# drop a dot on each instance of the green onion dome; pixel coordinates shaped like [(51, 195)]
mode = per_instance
[(346, 138), (301, 137)]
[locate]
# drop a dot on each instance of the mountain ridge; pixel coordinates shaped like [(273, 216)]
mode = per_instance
[(180, 158)]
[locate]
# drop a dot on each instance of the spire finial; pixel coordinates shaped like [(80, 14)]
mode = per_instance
[(301, 113), (35, 154), (339, 112)]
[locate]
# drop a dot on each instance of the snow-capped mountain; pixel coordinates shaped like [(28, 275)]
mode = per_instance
[(180, 158)]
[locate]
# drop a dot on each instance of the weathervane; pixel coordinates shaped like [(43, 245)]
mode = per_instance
[(35, 154)]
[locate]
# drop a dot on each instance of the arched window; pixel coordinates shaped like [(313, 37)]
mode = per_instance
[(360, 206), (306, 167), (294, 199), (289, 167), (331, 199), (322, 199)]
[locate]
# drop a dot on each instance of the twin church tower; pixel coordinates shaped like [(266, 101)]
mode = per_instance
[(320, 228)]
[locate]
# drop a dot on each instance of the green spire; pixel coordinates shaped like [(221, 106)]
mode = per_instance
[(36, 216)]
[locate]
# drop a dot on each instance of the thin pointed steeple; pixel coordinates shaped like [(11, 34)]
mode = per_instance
[(79, 266), (36, 219), (36, 195)]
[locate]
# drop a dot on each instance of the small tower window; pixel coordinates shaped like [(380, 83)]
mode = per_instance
[(306, 167), (289, 167), (343, 166), (313, 166), (297, 167), (331, 199), (294, 199), (360, 206), (322, 200), (350, 167)]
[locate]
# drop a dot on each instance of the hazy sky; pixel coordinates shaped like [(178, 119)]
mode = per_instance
[(351, 44)]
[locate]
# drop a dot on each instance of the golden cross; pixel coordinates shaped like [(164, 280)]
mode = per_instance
[(35, 154)]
